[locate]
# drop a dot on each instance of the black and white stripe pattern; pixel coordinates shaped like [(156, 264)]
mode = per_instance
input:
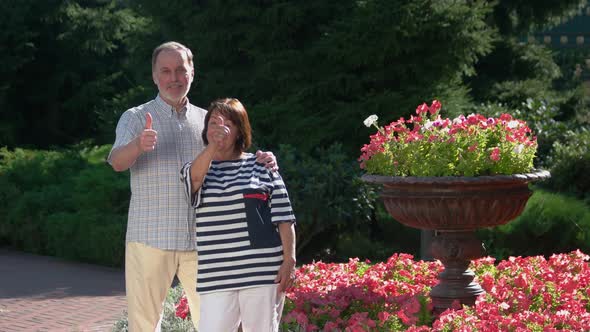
[(227, 259)]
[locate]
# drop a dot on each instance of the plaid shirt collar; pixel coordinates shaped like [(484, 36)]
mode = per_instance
[(165, 109)]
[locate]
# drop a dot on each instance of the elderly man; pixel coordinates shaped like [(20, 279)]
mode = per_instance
[(154, 141)]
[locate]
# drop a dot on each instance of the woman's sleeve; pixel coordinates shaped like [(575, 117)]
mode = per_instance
[(185, 176), (280, 205)]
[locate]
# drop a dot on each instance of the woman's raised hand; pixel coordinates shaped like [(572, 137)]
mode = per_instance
[(218, 131)]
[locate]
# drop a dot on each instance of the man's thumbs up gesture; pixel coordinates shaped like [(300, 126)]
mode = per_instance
[(148, 137)]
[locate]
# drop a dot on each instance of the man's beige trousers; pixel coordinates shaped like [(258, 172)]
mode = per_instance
[(148, 275)]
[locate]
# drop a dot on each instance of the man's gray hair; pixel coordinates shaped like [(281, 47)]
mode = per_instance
[(172, 45)]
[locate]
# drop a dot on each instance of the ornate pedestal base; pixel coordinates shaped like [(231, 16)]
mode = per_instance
[(455, 207), (455, 249)]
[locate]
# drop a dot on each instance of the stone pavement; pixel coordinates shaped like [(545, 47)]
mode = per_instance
[(39, 293)]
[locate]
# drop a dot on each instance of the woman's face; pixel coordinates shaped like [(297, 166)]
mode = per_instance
[(222, 132)]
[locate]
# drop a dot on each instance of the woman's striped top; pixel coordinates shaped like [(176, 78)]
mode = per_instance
[(237, 209)]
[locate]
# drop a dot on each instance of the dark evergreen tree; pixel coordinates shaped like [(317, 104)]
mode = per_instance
[(311, 71), (61, 64), (515, 70)]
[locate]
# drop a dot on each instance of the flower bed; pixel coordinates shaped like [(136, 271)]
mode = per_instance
[(522, 294)]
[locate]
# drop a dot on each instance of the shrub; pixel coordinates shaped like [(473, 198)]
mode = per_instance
[(66, 203), (33, 184), (86, 236), (379, 238), (570, 165), (327, 196)]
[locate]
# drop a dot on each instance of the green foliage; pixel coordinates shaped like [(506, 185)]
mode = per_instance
[(516, 71), (86, 237), (65, 203), (60, 67), (326, 194), (540, 117), (319, 67), (302, 67), (377, 240), (568, 60), (348, 72), (550, 223), (170, 322), (547, 121), (71, 204), (517, 17), (30, 179), (338, 215), (570, 164), (513, 72), (308, 72)]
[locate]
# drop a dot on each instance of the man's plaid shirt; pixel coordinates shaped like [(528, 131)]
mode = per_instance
[(159, 214)]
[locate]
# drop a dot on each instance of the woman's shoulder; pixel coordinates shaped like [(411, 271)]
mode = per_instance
[(247, 160)]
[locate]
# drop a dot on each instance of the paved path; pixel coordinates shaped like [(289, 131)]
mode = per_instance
[(39, 293)]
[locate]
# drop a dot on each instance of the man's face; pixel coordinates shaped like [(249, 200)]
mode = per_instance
[(173, 75)]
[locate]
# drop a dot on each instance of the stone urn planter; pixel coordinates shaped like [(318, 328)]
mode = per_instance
[(455, 207)]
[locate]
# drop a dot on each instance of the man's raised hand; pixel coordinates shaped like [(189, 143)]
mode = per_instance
[(148, 137)]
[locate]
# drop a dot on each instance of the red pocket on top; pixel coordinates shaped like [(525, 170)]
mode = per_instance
[(262, 197)]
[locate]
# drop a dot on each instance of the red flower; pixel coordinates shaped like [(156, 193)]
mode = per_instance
[(434, 107), (182, 309), (403, 147), (495, 155), (422, 109), (383, 316)]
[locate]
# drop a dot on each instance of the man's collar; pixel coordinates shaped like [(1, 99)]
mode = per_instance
[(167, 109)]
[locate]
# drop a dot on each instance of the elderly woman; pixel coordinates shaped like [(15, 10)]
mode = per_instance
[(245, 227)]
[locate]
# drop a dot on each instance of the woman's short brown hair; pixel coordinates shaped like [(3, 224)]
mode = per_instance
[(233, 110)]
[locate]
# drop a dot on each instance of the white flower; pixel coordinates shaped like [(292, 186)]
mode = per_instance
[(371, 120), (513, 124), (459, 119), (518, 149)]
